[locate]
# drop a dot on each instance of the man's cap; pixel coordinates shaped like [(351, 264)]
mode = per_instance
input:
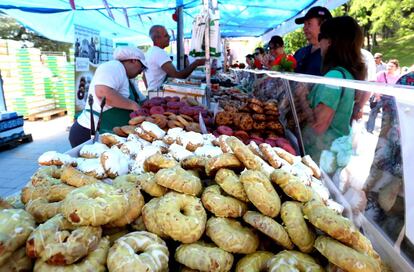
[(129, 53), (314, 12), (377, 55)]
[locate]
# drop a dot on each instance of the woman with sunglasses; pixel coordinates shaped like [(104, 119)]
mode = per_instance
[(115, 81), (340, 40)]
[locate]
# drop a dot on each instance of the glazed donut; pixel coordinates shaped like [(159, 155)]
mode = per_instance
[(150, 217), (92, 167), (292, 185), (58, 242), (15, 226), (291, 260), (155, 131), (144, 135), (114, 162), (225, 160), (46, 175), (307, 160), (220, 205), (231, 236), (160, 120), (208, 151), (157, 162), (175, 124), (76, 178), (204, 257), (287, 156), (128, 129), (225, 130), (110, 139), (96, 204), (147, 183), (179, 180), (194, 163), (269, 227), (136, 120), (138, 251), (299, 232), (52, 193), (254, 262), (135, 204), (345, 257), (260, 192), (94, 261), (243, 153), (230, 183), (270, 155), (182, 217), (90, 151), (54, 158), (41, 209), (221, 140), (18, 262), (119, 132), (190, 140), (338, 227)]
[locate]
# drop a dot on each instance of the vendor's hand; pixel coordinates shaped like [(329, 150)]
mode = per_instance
[(134, 106)]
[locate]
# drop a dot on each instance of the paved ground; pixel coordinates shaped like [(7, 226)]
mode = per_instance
[(17, 165)]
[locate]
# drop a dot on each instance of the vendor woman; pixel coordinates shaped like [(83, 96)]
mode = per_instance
[(113, 80)]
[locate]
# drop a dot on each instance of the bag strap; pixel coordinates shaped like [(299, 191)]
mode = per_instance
[(341, 70)]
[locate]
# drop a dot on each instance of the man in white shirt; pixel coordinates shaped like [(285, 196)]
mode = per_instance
[(381, 66), (159, 63)]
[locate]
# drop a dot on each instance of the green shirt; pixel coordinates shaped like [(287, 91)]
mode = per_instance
[(341, 100)]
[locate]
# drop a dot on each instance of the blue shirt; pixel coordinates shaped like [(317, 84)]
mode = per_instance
[(308, 62)]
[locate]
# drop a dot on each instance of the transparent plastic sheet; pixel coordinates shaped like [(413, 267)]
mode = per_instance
[(366, 164)]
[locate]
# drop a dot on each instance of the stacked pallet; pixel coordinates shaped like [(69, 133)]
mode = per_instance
[(23, 77), (64, 83)]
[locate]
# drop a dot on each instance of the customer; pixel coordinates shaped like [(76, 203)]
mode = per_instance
[(381, 66), (389, 76), (259, 54), (309, 57), (159, 63), (279, 60), (113, 80), (249, 61), (340, 41)]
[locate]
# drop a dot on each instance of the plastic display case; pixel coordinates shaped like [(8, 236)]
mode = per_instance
[(370, 172)]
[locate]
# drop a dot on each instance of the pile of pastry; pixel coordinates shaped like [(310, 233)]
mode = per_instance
[(182, 200)]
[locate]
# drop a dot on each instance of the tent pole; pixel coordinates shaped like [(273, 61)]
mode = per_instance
[(180, 37), (206, 4)]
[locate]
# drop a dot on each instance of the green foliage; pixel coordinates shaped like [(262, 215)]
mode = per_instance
[(294, 40), (10, 29), (401, 49)]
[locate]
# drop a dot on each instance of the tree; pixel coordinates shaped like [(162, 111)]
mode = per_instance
[(294, 40), (10, 29)]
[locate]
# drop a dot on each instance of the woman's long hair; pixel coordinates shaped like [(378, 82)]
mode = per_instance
[(345, 49)]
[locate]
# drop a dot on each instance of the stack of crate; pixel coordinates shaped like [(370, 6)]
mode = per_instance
[(23, 76), (64, 82)]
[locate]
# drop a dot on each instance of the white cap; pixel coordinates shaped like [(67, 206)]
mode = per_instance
[(129, 53)]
